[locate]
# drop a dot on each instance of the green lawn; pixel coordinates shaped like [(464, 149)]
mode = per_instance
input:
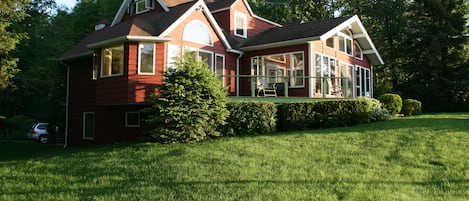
[(415, 158)]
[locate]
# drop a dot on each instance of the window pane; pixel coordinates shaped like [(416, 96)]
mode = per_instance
[(220, 63), (240, 21), (132, 119), (330, 42), (88, 126), (349, 46), (342, 43), (298, 70), (318, 76), (146, 58), (207, 58), (113, 61)]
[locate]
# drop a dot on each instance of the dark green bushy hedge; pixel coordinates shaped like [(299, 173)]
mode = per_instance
[(392, 102), (249, 118), (324, 114), (411, 107)]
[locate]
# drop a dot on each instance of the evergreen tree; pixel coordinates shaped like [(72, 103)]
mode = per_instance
[(190, 106)]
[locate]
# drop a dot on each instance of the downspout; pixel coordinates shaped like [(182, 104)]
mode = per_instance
[(310, 69), (237, 73), (66, 102)]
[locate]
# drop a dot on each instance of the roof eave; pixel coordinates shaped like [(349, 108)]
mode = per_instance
[(279, 44), (128, 38), (76, 56)]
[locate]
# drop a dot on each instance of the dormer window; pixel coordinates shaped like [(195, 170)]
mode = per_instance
[(140, 6), (240, 25)]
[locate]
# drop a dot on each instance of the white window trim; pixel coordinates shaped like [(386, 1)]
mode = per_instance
[(357, 46), (102, 63), (127, 122), (223, 69), (208, 52), (147, 8), (245, 24), (291, 71), (203, 25), (140, 59), (346, 37), (333, 41), (94, 125)]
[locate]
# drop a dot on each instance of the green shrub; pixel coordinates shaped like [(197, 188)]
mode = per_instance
[(377, 111), (250, 118), (411, 107), (324, 114), (392, 102), (190, 106)]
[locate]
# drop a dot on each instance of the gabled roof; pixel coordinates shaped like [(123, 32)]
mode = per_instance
[(222, 5), (149, 25), (300, 33)]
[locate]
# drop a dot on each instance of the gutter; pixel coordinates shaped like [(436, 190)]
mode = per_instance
[(67, 100), (279, 44), (128, 38)]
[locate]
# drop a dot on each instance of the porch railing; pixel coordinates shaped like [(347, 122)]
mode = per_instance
[(333, 87)]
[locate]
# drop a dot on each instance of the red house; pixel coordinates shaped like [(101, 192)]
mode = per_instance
[(113, 70)]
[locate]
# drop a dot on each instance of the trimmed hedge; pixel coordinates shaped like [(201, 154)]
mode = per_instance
[(324, 114), (377, 112), (411, 107), (392, 102), (250, 118)]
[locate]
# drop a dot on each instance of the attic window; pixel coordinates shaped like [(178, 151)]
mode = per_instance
[(140, 6), (240, 24)]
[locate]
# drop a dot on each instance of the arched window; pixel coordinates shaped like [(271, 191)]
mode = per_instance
[(197, 32)]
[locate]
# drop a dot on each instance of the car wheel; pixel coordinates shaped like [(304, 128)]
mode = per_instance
[(42, 139)]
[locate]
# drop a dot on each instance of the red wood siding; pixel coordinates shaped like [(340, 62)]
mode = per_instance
[(140, 87), (254, 25), (245, 69), (223, 19)]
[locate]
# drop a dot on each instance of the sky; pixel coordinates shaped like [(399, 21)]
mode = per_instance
[(68, 3)]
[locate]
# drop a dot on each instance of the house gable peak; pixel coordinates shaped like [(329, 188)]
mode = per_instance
[(134, 7)]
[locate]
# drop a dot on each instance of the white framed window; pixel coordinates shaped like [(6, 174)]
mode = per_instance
[(330, 42), (205, 56), (132, 119), (173, 52), (112, 61), (220, 67), (146, 58), (240, 25), (363, 81), (358, 51), (347, 79), (327, 82), (141, 6), (278, 68), (95, 68), (345, 42), (196, 31), (88, 125)]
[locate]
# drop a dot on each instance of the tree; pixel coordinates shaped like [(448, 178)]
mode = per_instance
[(10, 11), (190, 106)]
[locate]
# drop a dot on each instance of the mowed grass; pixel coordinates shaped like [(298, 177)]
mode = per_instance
[(414, 158)]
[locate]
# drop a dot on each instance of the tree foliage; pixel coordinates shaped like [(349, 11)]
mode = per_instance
[(11, 11), (190, 106)]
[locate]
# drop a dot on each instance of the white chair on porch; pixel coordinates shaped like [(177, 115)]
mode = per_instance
[(263, 86)]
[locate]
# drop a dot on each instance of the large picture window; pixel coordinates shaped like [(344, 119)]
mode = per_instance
[(146, 59), (327, 82), (196, 31), (276, 68), (240, 24), (363, 81), (112, 61), (345, 42), (88, 125)]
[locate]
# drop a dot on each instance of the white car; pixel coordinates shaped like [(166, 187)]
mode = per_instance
[(38, 132)]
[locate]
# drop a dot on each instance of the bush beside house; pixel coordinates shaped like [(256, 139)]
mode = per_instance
[(392, 102), (411, 107), (191, 104)]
